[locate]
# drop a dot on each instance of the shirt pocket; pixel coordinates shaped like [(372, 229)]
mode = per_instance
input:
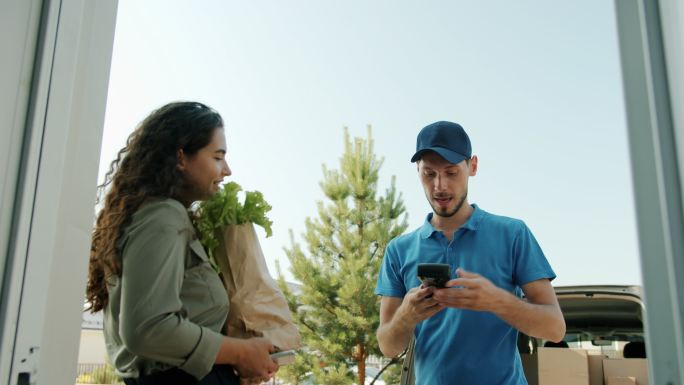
[(202, 289)]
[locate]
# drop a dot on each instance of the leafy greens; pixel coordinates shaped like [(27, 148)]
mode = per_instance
[(224, 209)]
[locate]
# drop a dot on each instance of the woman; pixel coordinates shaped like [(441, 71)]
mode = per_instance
[(163, 303)]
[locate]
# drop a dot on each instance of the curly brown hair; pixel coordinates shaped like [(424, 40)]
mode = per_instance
[(144, 168)]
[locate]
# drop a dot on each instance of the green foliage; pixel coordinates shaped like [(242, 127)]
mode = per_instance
[(392, 375), (332, 375), (310, 369), (224, 209), (337, 311), (101, 375)]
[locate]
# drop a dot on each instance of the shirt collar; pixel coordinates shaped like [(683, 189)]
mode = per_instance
[(471, 224)]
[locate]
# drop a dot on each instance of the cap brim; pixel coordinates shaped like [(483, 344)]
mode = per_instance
[(448, 155)]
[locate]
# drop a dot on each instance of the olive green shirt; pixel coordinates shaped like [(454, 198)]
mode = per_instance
[(168, 306)]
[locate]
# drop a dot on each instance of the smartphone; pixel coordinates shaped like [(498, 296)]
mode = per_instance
[(434, 274), (285, 357)]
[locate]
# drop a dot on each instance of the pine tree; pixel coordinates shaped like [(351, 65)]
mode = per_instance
[(337, 310)]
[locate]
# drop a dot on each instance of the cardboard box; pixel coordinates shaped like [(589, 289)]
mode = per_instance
[(621, 381), (596, 368), (556, 366), (626, 367)]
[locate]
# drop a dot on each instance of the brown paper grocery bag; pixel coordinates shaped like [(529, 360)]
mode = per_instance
[(257, 307)]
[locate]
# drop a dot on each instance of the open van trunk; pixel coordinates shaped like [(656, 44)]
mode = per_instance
[(602, 314)]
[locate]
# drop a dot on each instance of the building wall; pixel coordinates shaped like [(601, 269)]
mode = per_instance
[(92, 347)]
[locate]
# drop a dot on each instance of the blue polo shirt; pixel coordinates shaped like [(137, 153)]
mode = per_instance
[(465, 347)]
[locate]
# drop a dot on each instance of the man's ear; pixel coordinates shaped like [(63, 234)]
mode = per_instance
[(181, 159), (473, 165)]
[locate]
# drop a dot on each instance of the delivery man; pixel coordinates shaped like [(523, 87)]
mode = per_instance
[(465, 332)]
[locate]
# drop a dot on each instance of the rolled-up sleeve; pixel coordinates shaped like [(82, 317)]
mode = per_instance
[(153, 323)]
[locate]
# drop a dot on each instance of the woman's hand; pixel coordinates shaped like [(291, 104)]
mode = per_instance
[(254, 360), (251, 358)]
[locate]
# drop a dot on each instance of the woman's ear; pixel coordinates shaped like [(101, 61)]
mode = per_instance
[(180, 155)]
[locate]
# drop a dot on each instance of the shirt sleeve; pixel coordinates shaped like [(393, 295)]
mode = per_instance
[(530, 263), (152, 321), (389, 282)]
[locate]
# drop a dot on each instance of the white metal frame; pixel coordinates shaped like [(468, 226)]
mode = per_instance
[(19, 22), (58, 120), (652, 52)]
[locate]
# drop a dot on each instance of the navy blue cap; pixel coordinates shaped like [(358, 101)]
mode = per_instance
[(447, 139)]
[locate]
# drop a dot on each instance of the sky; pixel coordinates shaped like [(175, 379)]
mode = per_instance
[(536, 84)]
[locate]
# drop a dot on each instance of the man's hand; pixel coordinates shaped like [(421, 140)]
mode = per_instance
[(473, 292), (419, 304), (399, 316), (538, 315)]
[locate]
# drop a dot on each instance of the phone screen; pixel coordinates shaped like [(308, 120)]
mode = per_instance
[(434, 274)]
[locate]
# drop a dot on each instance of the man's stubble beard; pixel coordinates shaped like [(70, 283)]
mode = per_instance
[(451, 213)]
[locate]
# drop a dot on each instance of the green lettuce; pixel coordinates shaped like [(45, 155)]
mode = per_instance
[(224, 209)]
